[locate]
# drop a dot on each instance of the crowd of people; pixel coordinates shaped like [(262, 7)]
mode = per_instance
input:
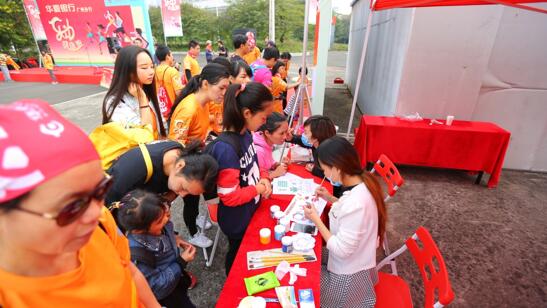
[(60, 245)]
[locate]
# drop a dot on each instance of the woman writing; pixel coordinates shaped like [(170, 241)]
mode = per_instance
[(357, 219)]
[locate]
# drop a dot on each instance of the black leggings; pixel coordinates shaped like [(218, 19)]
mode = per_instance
[(233, 247), (179, 297), (190, 213)]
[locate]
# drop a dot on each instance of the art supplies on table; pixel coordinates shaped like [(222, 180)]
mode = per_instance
[(285, 268), (265, 236), (261, 282), (286, 296), (295, 210), (305, 296), (302, 242), (290, 184), (272, 257)]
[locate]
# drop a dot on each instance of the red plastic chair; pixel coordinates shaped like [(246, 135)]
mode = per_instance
[(387, 170), (212, 209), (393, 179), (393, 291)]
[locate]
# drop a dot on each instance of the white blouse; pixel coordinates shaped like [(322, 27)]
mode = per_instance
[(128, 112), (354, 229)]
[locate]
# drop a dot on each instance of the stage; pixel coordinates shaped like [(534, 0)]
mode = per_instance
[(64, 74)]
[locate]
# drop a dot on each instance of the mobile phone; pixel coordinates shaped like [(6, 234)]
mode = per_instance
[(304, 228)]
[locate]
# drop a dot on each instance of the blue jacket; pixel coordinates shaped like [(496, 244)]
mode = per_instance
[(164, 277)]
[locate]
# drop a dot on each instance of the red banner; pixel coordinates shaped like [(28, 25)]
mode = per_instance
[(170, 12), (33, 14), (89, 32)]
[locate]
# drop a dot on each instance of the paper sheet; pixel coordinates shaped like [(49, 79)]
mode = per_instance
[(290, 184), (295, 209)]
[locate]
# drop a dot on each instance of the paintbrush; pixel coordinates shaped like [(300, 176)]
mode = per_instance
[(270, 263), (304, 258)]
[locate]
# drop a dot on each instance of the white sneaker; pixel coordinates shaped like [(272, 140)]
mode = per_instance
[(200, 240), (199, 222)]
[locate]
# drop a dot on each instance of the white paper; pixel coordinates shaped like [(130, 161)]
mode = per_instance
[(290, 184)]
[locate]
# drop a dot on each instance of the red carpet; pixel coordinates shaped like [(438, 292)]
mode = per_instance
[(64, 74)]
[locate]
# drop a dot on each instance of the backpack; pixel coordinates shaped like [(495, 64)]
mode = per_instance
[(111, 140), (255, 67), (230, 138), (163, 98)]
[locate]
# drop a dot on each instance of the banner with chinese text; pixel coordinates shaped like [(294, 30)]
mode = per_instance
[(90, 33), (170, 12), (33, 14)]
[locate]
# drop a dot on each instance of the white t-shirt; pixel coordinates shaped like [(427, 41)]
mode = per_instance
[(354, 229)]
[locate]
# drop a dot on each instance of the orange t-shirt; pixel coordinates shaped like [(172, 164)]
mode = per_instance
[(189, 121), (103, 278), (278, 87), (215, 116), (252, 56)]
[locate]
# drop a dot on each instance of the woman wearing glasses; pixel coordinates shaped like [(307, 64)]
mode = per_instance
[(58, 245)]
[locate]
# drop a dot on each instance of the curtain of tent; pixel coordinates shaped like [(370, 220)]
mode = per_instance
[(377, 5)]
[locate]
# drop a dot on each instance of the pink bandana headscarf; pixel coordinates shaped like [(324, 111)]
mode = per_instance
[(37, 144)]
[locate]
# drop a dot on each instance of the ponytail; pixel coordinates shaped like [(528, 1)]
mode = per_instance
[(253, 96), (376, 191), (338, 152), (198, 166), (212, 72), (191, 87)]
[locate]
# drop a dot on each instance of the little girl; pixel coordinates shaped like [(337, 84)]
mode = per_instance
[(275, 131), (155, 247)]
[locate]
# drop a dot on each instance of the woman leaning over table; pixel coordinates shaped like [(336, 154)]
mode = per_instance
[(59, 246), (357, 219)]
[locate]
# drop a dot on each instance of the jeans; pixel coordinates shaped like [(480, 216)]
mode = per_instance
[(5, 72), (53, 78), (190, 213)]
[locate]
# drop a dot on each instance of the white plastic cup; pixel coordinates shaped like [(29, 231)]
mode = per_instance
[(285, 222), (279, 232), (265, 236), (273, 209), (286, 244), (449, 120), (278, 215)]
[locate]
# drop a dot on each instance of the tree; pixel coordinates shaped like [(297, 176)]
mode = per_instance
[(341, 31), (14, 28), (289, 16), (242, 14)]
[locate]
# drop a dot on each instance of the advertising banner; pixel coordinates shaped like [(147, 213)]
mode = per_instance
[(90, 33), (33, 14), (170, 12)]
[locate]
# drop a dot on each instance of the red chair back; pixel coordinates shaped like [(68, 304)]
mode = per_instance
[(387, 170), (432, 267), (213, 211)]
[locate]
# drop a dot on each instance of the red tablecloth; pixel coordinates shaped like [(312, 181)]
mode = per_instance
[(466, 145), (234, 287)]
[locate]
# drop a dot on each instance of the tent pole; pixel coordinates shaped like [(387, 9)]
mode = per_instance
[(361, 67), (304, 54)]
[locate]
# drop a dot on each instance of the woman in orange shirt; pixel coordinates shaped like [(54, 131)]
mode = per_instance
[(59, 246), (190, 120), (279, 86)]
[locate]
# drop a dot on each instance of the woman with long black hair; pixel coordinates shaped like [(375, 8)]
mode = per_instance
[(357, 224), (190, 122), (131, 98)]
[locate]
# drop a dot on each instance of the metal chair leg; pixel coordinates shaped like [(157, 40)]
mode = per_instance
[(210, 261)]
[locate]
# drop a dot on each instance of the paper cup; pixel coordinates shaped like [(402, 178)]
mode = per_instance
[(279, 231), (449, 120), (273, 209), (265, 236)]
